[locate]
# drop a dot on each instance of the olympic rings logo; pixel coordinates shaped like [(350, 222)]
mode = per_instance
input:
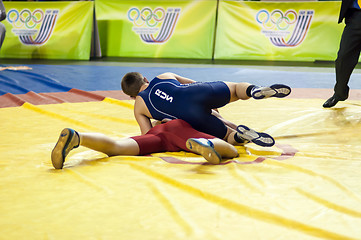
[(25, 18), (146, 16), (276, 19)]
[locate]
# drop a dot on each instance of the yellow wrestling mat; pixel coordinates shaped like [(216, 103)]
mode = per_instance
[(308, 186)]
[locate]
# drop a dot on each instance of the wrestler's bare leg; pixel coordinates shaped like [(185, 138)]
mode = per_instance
[(225, 149), (70, 139), (238, 90), (213, 150), (101, 143)]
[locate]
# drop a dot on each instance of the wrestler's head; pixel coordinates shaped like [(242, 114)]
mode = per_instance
[(132, 82)]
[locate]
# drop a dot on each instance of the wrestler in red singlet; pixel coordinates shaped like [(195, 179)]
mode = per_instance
[(168, 137)]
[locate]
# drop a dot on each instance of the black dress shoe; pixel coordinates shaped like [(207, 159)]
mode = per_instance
[(332, 101)]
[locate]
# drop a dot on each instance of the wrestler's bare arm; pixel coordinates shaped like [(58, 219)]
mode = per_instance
[(225, 121), (169, 75), (140, 112), (143, 122)]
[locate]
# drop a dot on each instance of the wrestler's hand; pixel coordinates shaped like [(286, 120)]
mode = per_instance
[(166, 120), (155, 123)]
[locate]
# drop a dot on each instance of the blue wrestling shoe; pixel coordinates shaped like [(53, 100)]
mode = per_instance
[(68, 140), (205, 148), (249, 135), (276, 90)]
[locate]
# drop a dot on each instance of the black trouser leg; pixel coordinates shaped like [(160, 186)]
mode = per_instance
[(348, 54), (2, 33)]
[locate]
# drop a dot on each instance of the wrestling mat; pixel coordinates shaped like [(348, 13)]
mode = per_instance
[(305, 187)]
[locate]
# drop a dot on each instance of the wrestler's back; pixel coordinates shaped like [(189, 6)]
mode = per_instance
[(167, 98)]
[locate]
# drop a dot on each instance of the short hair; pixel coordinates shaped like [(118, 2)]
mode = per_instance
[(131, 83)]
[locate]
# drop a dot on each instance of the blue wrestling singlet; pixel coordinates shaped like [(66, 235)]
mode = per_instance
[(167, 98)]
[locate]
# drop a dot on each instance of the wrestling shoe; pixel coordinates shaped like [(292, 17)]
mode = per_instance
[(276, 90), (205, 148), (249, 135), (68, 140)]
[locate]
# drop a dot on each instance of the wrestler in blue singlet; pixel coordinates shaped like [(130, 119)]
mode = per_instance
[(168, 98)]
